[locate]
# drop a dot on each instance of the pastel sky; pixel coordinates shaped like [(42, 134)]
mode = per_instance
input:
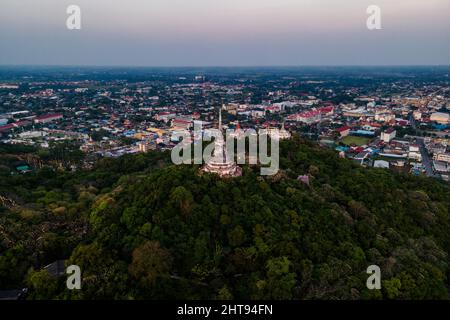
[(225, 33)]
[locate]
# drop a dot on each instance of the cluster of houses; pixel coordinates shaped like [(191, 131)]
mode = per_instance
[(112, 118)]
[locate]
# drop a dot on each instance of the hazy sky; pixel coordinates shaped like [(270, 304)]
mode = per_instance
[(224, 32)]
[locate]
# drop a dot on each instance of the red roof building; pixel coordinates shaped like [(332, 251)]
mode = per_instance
[(48, 118), (10, 126), (343, 131)]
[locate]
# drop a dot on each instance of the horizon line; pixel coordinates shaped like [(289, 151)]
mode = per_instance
[(222, 66)]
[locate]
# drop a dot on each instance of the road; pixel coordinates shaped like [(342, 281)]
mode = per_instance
[(413, 122), (426, 161)]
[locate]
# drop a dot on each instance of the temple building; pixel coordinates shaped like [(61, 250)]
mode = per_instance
[(219, 163), (280, 134)]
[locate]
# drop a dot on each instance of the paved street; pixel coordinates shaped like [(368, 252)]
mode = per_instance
[(426, 161)]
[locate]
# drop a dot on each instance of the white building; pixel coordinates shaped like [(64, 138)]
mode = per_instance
[(414, 152), (443, 157), (384, 117), (381, 164), (417, 115), (258, 113), (388, 135)]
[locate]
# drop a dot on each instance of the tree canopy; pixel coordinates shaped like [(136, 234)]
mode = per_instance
[(141, 228)]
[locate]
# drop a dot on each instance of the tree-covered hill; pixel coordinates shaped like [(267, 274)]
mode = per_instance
[(141, 228)]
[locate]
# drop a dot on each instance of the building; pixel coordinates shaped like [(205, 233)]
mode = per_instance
[(273, 109), (417, 114), (443, 157), (200, 78), (281, 134), (219, 163), (381, 164), (326, 111), (181, 124), (145, 146), (357, 113), (312, 116), (361, 157), (361, 132), (164, 116), (258, 113), (440, 117), (415, 156), (48, 118), (8, 127), (414, 152), (343, 131), (231, 107), (388, 135), (441, 167), (384, 117), (307, 117), (9, 86)]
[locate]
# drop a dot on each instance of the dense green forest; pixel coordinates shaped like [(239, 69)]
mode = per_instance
[(142, 228)]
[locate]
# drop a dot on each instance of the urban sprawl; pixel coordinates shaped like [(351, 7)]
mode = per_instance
[(397, 123)]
